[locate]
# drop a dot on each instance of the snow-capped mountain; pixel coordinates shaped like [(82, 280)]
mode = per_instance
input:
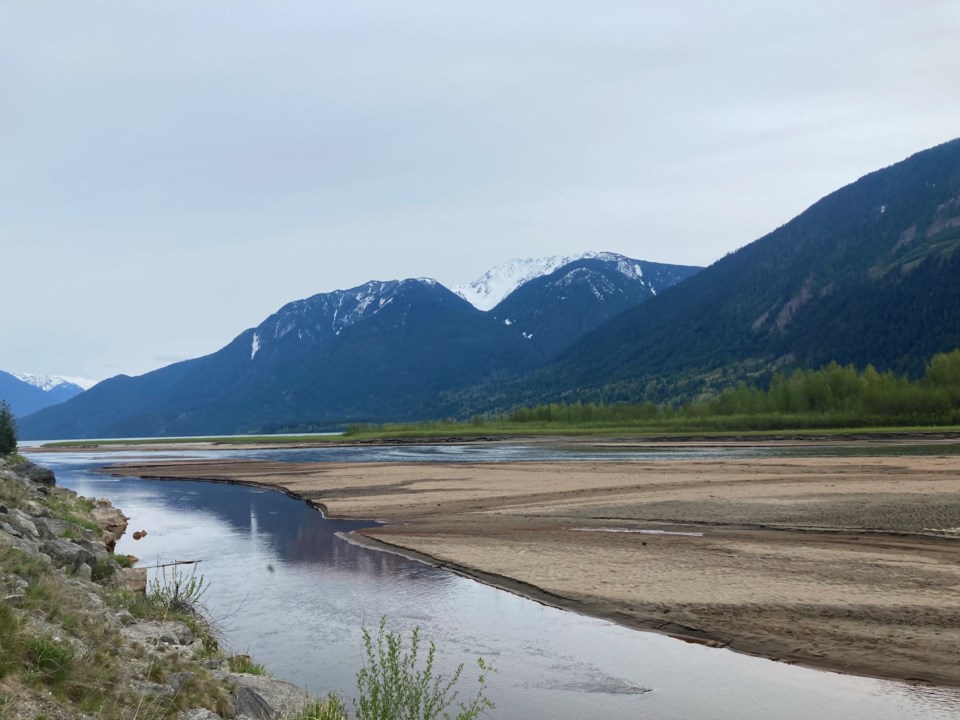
[(51, 382), (497, 283), (380, 351), (555, 310), (28, 393)]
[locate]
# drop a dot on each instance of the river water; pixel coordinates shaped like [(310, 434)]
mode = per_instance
[(285, 589)]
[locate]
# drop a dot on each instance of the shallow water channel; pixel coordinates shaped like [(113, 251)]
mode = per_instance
[(285, 589)]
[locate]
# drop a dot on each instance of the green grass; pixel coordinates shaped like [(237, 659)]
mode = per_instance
[(245, 664)]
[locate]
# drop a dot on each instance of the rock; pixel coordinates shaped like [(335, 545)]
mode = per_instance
[(197, 714), (96, 549), (50, 528), (37, 510), (84, 572), (155, 632), (10, 530), (262, 697), (24, 523), (40, 475), (179, 679), (67, 554), (112, 522), (21, 543), (3, 509), (148, 689), (134, 579), (247, 702)]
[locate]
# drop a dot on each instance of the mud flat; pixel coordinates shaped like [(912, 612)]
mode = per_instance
[(845, 563)]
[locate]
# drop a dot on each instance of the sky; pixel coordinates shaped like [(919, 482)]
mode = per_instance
[(173, 171)]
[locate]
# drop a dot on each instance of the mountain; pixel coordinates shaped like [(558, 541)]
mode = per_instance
[(866, 275), (556, 309), (28, 393), (380, 351)]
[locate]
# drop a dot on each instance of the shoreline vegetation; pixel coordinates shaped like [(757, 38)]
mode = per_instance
[(832, 401)]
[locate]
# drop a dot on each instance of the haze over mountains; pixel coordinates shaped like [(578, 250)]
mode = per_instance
[(866, 275)]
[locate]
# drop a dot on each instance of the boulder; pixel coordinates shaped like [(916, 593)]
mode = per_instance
[(24, 523), (262, 697), (40, 475), (50, 528), (67, 554)]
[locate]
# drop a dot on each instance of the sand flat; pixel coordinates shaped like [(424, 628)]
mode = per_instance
[(849, 563)]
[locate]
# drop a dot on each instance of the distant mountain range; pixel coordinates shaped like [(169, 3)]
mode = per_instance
[(866, 275), (28, 393), (377, 352)]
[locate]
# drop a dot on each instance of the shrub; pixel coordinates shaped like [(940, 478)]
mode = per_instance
[(392, 687), (178, 590)]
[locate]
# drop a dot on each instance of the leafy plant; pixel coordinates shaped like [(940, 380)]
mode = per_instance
[(392, 687), (178, 591)]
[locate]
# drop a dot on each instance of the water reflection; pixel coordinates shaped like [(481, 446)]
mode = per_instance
[(284, 588)]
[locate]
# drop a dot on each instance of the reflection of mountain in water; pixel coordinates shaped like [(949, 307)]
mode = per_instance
[(294, 530)]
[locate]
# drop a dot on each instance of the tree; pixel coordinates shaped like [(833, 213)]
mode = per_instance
[(8, 430)]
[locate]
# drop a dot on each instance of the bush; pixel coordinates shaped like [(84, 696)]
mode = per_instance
[(392, 687), (178, 590)]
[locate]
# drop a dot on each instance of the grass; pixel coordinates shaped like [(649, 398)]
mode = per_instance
[(214, 439), (245, 664)]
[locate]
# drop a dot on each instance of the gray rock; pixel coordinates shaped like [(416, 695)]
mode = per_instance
[(24, 523), (40, 475), (96, 549), (197, 714), (10, 530), (84, 572), (3, 509), (21, 543), (178, 680), (67, 554), (50, 528), (214, 664), (247, 702), (263, 694), (155, 632), (37, 510), (147, 689)]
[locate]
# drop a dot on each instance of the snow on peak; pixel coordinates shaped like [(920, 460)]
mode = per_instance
[(254, 346), (494, 285), (50, 382)]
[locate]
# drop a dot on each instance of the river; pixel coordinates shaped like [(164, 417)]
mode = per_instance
[(284, 588)]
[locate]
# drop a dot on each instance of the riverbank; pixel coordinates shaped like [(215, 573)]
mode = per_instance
[(845, 563), (81, 636)]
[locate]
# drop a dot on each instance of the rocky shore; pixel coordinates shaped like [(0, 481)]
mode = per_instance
[(81, 637)]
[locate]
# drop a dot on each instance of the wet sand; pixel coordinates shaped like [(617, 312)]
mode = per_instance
[(850, 563)]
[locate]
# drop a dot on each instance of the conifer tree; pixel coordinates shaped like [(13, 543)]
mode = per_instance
[(8, 430)]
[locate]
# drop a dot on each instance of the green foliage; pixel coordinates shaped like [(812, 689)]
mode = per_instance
[(330, 708), (392, 686), (124, 561), (8, 430), (245, 664), (49, 660), (178, 590)]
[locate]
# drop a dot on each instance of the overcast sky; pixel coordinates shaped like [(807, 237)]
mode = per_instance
[(172, 172)]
